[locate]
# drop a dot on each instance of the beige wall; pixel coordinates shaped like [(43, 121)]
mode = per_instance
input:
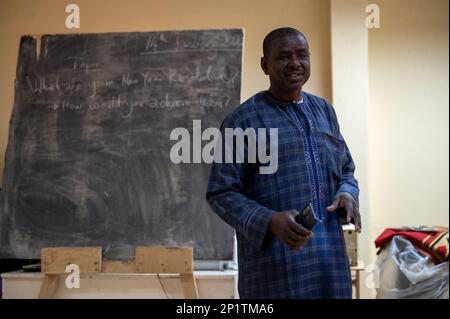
[(257, 17), (350, 65), (409, 114), (210, 285), (390, 90)]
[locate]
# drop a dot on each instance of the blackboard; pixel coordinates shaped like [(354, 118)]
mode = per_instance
[(87, 162)]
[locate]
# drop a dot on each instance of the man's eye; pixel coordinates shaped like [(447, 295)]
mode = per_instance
[(303, 56)]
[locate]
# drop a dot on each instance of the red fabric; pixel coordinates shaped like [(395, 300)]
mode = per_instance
[(433, 243)]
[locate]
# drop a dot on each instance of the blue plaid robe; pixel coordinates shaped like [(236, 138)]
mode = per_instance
[(314, 163)]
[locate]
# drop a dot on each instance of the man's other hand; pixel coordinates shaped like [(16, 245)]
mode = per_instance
[(284, 226), (346, 201)]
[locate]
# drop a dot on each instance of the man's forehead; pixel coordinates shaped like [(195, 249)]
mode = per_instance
[(290, 41)]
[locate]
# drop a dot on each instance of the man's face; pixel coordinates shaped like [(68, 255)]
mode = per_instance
[(287, 64)]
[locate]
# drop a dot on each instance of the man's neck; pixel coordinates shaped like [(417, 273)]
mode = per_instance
[(295, 96)]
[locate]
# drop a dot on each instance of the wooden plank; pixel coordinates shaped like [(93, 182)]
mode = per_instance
[(164, 260), (55, 260), (189, 286), (49, 285), (116, 266)]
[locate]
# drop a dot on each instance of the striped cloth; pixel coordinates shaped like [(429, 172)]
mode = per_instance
[(433, 244), (313, 164)]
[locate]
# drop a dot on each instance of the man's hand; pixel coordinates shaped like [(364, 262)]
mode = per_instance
[(284, 226), (346, 201)]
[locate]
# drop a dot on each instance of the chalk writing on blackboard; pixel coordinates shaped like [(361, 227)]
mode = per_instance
[(88, 158)]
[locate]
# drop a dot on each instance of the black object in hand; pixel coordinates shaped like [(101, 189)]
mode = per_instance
[(342, 213), (306, 217)]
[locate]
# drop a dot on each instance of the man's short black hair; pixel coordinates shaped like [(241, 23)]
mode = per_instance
[(278, 33)]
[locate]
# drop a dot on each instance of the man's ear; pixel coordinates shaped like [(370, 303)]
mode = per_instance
[(264, 65)]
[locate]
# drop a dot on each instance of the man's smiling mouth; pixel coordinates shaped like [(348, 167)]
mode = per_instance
[(294, 75)]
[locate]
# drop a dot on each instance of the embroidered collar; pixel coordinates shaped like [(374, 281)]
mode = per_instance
[(273, 100)]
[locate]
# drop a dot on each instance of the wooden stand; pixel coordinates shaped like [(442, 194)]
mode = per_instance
[(356, 280), (175, 260)]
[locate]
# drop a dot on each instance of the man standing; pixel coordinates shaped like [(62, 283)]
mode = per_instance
[(277, 257)]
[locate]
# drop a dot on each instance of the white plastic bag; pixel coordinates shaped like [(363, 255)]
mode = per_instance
[(406, 273)]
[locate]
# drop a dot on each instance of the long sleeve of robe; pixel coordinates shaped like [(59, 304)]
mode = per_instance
[(314, 163)]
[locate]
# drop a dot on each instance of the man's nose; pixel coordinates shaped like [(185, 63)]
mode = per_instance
[(294, 63)]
